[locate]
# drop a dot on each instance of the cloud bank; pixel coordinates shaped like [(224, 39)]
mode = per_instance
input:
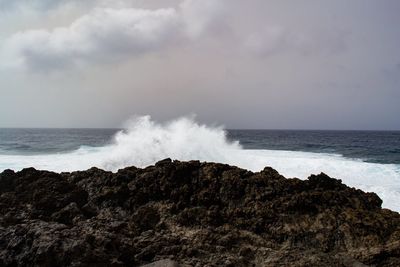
[(106, 34)]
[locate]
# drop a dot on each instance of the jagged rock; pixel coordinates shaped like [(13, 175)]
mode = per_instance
[(163, 263), (194, 214)]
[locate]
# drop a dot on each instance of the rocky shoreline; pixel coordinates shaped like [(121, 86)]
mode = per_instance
[(191, 214)]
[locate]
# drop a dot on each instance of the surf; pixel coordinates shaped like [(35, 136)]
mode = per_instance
[(144, 141)]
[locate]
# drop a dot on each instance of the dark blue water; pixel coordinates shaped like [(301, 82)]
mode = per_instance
[(370, 146), (48, 141)]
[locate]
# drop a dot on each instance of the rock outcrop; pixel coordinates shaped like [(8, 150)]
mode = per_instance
[(191, 214)]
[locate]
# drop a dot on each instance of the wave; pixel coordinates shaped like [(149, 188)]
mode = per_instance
[(144, 142)]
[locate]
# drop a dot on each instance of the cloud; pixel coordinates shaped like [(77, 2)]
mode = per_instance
[(35, 4), (265, 42), (276, 39), (107, 34), (99, 36), (200, 15)]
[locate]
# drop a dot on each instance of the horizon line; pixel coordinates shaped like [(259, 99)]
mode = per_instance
[(228, 129)]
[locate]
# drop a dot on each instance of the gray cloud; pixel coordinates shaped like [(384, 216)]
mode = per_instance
[(102, 34), (6, 5), (244, 64), (200, 15), (107, 34)]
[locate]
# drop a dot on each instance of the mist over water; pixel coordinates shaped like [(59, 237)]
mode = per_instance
[(144, 142)]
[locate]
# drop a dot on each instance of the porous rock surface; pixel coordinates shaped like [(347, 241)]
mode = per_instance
[(191, 214)]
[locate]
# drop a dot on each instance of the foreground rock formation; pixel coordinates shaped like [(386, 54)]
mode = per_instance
[(191, 214)]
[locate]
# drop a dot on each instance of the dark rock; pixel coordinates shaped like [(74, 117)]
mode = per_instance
[(145, 218), (191, 213), (163, 263), (67, 214)]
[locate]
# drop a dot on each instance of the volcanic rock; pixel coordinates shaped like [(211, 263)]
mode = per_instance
[(191, 214)]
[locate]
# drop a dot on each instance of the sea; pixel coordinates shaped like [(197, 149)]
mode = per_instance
[(367, 160)]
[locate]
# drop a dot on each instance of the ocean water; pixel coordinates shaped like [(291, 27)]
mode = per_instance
[(368, 160)]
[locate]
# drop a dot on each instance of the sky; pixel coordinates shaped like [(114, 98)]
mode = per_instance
[(259, 64)]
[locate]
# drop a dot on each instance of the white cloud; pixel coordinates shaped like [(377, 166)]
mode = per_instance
[(101, 35), (108, 34)]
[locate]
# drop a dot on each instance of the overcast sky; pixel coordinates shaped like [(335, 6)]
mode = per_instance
[(243, 64)]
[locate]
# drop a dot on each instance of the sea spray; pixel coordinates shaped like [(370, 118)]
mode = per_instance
[(144, 141)]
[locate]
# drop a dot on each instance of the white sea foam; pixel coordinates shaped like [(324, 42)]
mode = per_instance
[(144, 142)]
